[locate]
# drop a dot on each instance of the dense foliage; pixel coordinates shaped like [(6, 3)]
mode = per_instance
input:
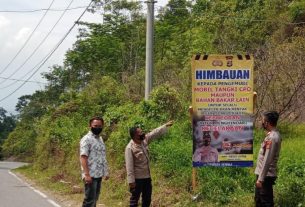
[(103, 74), (7, 125)]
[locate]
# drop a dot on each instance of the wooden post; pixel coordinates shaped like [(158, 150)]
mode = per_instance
[(194, 170), (194, 180), (254, 101)]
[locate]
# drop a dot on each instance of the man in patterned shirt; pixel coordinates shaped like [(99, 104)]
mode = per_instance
[(268, 157), (93, 161)]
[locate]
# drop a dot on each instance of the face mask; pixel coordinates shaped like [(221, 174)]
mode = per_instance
[(206, 143), (142, 136), (206, 139), (96, 130)]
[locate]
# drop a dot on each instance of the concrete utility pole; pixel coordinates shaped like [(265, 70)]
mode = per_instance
[(149, 47)]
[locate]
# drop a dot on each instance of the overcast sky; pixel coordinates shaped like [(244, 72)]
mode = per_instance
[(17, 27)]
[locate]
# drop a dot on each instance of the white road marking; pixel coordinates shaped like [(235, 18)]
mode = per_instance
[(35, 190), (15, 176), (40, 193), (53, 203)]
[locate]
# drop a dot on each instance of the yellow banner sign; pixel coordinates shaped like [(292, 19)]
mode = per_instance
[(222, 100)]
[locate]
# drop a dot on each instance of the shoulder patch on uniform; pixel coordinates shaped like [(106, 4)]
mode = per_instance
[(268, 144)]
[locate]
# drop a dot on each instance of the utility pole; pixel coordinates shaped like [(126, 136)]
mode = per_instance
[(149, 47)]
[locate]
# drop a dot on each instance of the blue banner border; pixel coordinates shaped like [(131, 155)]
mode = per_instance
[(224, 164)]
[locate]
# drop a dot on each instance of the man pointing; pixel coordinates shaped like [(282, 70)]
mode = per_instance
[(137, 163)]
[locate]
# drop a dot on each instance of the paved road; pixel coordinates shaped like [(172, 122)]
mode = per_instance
[(16, 193)]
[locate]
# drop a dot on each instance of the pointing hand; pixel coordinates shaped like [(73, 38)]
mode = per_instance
[(170, 123)]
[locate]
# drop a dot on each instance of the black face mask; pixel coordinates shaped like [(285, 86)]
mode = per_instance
[(142, 136), (96, 130), (206, 143)]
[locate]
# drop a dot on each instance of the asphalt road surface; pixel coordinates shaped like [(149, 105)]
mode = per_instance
[(16, 193)]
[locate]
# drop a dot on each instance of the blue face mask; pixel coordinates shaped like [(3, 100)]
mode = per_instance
[(96, 130)]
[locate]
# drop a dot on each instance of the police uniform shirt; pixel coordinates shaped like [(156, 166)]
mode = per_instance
[(268, 156)]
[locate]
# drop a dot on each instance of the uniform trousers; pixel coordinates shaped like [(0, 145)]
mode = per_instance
[(264, 195), (144, 187)]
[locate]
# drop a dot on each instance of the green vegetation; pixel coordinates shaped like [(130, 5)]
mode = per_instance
[(104, 75), (171, 172), (7, 125)]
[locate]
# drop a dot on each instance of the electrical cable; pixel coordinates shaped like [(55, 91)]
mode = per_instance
[(36, 49), (50, 54), (28, 39), (39, 10), (21, 80)]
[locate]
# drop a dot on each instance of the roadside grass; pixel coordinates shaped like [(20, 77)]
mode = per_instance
[(290, 187), (45, 178)]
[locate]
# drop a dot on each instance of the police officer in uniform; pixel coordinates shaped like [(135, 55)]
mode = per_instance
[(266, 168)]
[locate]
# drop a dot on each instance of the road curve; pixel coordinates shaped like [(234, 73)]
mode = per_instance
[(14, 192)]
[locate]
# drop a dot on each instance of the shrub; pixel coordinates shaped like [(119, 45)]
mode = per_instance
[(164, 104), (21, 142)]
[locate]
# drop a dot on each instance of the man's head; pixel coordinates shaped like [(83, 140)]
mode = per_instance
[(96, 124), (136, 133), (270, 119), (206, 137)]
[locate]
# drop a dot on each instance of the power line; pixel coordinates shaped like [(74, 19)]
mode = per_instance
[(35, 50), (28, 39), (21, 80), (39, 10), (50, 54)]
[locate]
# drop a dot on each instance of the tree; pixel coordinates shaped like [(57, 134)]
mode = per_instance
[(7, 125), (112, 48), (281, 76)]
